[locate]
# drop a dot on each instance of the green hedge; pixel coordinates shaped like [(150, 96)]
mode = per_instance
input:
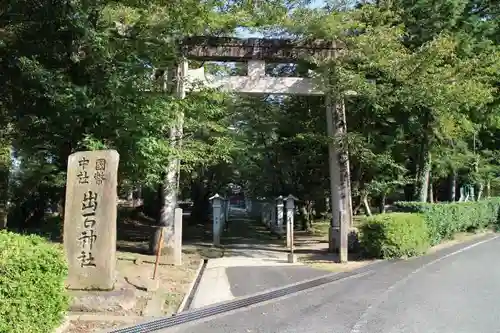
[(32, 294), (445, 219), (394, 235)]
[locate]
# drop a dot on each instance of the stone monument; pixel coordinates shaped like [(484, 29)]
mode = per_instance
[(90, 219)]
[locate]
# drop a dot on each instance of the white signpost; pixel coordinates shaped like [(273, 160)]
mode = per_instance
[(290, 212), (216, 216)]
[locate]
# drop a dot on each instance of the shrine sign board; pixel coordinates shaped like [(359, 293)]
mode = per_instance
[(90, 219)]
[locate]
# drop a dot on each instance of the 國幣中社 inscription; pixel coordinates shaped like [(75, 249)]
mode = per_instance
[(90, 219), (83, 176), (100, 168)]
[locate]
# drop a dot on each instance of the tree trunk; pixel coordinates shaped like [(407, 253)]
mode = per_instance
[(138, 196), (480, 190), (170, 187), (200, 194), (424, 161), (319, 207), (5, 166), (355, 210), (382, 203), (431, 189), (453, 186), (422, 181), (304, 213), (168, 200), (488, 188), (309, 206), (366, 203)]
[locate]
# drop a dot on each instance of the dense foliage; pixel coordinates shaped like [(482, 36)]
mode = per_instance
[(419, 80), (32, 293), (394, 235), (445, 219), (423, 122)]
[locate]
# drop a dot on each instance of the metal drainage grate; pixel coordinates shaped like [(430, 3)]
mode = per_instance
[(185, 317)]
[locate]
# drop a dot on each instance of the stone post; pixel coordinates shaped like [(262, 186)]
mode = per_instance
[(228, 209), (216, 217), (290, 211), (222, 213), (263, 216), (279, 212), (272, 216), (90, 219), (266, 215), (248, 205), (177, 237), (338, 236), (472, 194)]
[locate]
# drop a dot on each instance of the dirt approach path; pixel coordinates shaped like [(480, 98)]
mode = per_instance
[(249, 237)]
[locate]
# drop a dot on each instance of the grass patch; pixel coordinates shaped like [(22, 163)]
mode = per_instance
[(321, 227)]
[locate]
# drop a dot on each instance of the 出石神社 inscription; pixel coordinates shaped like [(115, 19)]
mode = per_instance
[(90, 219)]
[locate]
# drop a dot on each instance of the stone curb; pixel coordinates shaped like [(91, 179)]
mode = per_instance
[(65, 324), (105, 317), (191, 286)]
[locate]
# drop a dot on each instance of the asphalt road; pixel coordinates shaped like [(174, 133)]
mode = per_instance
[(267, 277), (453, 291)]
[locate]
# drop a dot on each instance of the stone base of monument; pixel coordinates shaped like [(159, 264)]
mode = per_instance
[(122, 298), (143, 283), (104, 301)]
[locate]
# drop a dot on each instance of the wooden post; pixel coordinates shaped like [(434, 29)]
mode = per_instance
[(158, 253)]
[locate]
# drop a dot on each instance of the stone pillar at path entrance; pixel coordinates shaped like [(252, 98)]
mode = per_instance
[(290, 211), (216, 217), (90, 219), (279, 212)]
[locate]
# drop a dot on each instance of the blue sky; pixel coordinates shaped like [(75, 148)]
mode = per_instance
[(317, 3)]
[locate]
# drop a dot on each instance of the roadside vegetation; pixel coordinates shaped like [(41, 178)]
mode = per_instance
[(422, 138)]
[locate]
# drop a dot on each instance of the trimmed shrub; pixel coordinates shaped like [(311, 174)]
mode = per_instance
[(445, 219), (32, 294), (394, 235)]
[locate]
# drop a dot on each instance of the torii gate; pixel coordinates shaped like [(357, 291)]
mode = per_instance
[(256, 52)]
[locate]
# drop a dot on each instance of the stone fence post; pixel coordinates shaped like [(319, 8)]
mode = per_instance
[(280, 213), (228, 210), (272, 216), (177, 255), (222, 214), (266, 215), (216, 217), (290, 212)]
